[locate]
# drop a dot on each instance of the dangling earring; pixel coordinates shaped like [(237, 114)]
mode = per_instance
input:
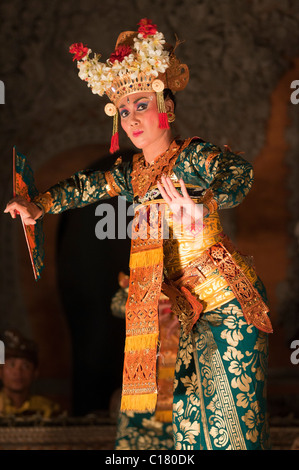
[(158, 87), (110, 110), (170, 117)]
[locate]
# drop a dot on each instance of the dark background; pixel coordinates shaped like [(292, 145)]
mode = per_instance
[(243, 56)]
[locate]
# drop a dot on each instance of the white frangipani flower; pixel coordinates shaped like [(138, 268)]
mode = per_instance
[(147, 56)]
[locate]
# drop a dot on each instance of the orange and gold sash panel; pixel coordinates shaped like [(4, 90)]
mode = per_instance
[(253, 307), (169, 339), (142, 325)]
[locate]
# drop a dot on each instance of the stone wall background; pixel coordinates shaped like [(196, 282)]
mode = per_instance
[(237, 52)]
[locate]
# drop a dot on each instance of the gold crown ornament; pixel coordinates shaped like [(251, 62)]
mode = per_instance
[(141, 61)]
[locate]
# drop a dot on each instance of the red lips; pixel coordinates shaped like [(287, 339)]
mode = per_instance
[(137, 133)]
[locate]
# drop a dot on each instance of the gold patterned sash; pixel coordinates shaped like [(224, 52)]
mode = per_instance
[(142, 327), (139, 391), (220, 256), (253, 307)]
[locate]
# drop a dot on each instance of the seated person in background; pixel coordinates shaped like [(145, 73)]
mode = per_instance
[(17, 375)]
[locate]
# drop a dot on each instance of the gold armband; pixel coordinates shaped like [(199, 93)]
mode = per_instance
[(209, 202), (44, 202), (111, 188)]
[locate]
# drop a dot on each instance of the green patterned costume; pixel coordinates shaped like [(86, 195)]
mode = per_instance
[(219, 396)]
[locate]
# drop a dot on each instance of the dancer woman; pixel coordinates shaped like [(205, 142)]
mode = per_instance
[(219, 394)]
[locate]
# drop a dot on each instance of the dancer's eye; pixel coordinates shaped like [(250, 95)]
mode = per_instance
[(142, 106), (124, 113)]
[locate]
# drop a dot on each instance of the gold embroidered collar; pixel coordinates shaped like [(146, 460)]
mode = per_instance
[(145, 175)]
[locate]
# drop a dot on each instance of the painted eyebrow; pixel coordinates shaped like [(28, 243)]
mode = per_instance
[(138, 99)]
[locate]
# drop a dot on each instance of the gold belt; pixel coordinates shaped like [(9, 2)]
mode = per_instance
[(217, 256)]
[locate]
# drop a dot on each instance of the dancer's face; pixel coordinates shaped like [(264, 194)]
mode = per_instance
[(140, 118)]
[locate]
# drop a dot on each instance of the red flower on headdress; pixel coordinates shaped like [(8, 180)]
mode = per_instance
[(147, 28), (120, 53), (78, 50)]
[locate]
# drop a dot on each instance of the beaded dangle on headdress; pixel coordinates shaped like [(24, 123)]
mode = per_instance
[(141, 61), (110, 110)]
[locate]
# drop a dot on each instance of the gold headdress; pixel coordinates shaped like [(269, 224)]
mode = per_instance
[(141, 61)]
